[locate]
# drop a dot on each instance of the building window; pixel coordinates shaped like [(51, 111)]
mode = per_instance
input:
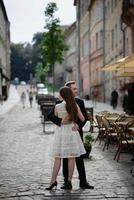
[(97, 41), (101, 38), (116, 35), (127, 47), (112, 37), (112, 5), (82, 51), (108, 7), (115, 3)]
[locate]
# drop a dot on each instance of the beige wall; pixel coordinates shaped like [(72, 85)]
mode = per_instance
[(84, 53), (113, 43), (96, 51), (71, 60), (108, 48), (128, 41), (60, 68)]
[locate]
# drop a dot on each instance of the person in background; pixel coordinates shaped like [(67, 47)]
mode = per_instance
[(23, 99), (114, 98), (95, 97), (31, 98), (79, 124)]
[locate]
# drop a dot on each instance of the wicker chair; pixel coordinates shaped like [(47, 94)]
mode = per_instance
[(125, 142), (111, 134)]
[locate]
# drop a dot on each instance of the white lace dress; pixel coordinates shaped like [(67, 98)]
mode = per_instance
[(67, 143)]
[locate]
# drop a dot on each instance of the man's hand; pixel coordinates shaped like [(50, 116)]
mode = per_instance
[(75, 127)]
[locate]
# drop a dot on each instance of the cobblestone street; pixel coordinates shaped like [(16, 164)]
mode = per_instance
[(25, 163)]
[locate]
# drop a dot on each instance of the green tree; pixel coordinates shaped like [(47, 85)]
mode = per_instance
[(40, 73), (36, 53), (21, 61), (53, 42), (25, 56)]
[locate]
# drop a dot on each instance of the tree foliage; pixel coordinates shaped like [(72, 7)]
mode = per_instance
[(24, 58), (40, 73), (40, 56), (53, 42), (21, 61)]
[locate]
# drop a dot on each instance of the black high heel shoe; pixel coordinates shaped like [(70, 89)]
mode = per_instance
[(52, 186)]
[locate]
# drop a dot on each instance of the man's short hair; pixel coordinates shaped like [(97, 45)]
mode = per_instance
[(69, 83)]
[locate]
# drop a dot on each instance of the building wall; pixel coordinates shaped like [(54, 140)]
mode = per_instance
[(60, 68), (128, 41), (96, 51), (101, 36), (71, 61), (84, 53), (4, 51), (113, 43)]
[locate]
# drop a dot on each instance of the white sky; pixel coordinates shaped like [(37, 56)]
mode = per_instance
[(27, 16)]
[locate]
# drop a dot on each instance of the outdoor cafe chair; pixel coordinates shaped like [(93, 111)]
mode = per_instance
[(111, 134), (101, 133), (125, 143), (121, 117), (104, 113)]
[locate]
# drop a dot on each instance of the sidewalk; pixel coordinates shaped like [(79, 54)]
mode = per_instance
[(102, 106), (26, 163), (12, 100)]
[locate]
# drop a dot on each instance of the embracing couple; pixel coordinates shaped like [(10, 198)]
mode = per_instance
[(69, 114)]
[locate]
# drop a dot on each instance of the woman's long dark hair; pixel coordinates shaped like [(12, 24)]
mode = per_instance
[(71, 106)]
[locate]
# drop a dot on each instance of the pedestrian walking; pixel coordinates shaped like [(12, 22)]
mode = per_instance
[(114, 98), (95, 97), (79, 160), (23, 99), (31, 98), (67, 143)]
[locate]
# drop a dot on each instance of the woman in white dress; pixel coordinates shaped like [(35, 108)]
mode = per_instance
[(67, 142)]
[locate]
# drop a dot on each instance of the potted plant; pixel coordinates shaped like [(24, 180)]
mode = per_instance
[(88, 139)]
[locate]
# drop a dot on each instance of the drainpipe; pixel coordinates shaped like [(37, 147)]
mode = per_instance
[(78, 28), (90, 92), (103, 75), (123, 29)]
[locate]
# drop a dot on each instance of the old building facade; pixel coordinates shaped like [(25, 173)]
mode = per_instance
[(96, 48), (113, 46), (107, 27), (4, 51), (127, 18), (82, 29), (70, 63), (118, 42), (59, 68)]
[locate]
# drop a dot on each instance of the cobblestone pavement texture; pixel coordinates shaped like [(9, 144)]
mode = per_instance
[(25, 163)]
